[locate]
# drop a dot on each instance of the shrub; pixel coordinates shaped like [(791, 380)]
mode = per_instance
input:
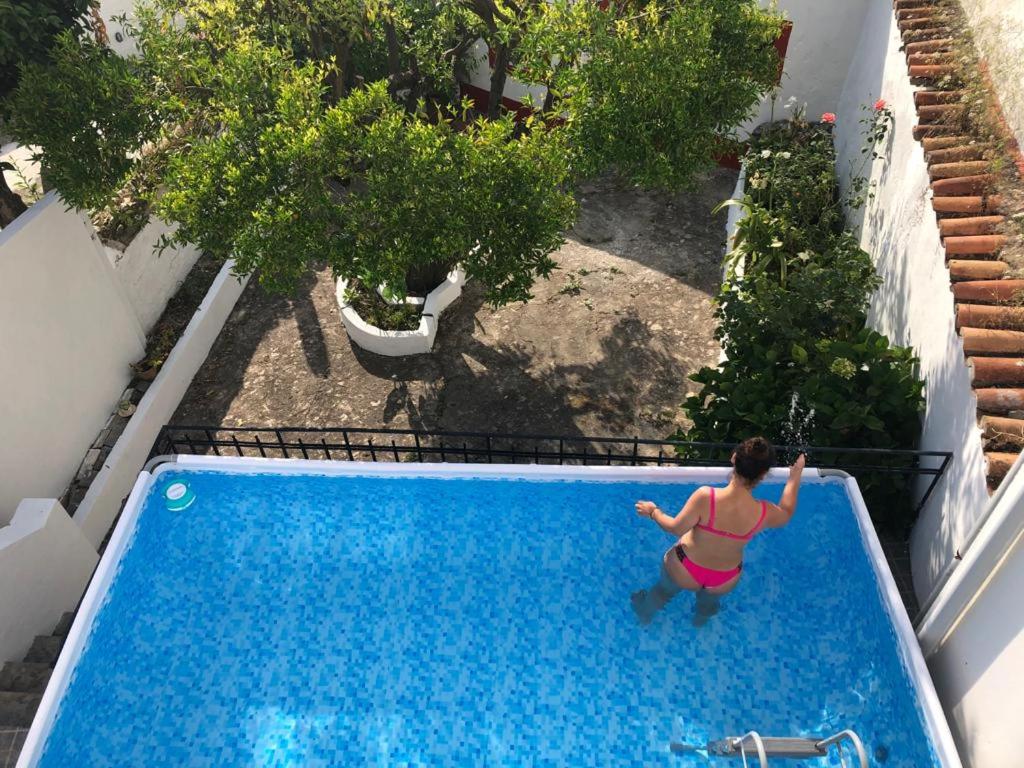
[(801, 366), (86, 108)]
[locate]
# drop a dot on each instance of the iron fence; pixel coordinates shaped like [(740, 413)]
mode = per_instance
[(397, 445)]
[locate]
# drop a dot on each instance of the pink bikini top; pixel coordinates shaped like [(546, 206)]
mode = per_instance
[(710, 527)]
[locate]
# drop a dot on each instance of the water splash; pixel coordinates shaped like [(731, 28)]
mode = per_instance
[(796, 430)]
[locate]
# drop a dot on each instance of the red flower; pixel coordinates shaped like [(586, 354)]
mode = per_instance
[(829, 117), (879, 105)]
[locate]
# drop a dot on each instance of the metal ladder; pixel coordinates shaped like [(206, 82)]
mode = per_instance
[(753, 743)]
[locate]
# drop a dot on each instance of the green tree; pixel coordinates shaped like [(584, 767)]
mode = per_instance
[(27, 32), (285, 133)]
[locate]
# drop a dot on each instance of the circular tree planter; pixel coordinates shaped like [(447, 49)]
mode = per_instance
[(399, 343)]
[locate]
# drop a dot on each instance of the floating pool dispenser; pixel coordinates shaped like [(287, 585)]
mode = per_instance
[(179, 496)]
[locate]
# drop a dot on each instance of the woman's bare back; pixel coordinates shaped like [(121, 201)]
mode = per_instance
[(736, 512)]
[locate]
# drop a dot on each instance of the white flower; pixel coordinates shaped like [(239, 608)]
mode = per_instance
[(785, 155), (791, 102), (766, 153)]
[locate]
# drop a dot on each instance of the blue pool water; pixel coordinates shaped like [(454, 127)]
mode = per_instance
[(330, 621)]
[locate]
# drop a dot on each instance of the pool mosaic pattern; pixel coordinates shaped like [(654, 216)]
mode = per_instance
[(332, 621)]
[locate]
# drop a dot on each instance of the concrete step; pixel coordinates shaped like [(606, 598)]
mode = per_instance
[(45, 649), (64, 624), (17, 709), (24, 676)]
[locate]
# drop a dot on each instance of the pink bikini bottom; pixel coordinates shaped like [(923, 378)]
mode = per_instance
[(706, 577)]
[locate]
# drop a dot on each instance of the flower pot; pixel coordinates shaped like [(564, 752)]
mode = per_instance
[(401, 343)]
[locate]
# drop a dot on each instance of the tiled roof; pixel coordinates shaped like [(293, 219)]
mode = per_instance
[(965, 171)]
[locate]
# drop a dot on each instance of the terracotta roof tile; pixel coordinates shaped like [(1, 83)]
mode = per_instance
[(988, 298)]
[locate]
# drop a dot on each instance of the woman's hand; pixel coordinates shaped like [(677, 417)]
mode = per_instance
[(646, 508), (798, 465)]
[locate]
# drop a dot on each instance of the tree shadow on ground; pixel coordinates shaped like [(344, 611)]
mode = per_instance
[(223, 375), (311, 334), (487, 386)]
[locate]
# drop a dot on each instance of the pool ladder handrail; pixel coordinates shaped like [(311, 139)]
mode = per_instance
[(789, 747)]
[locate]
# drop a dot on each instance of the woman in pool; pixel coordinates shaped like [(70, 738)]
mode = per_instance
[(713, 529)]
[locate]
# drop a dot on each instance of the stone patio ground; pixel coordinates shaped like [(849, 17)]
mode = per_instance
[(604, 348)]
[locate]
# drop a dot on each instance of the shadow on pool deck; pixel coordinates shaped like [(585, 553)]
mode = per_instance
[(604, 348)]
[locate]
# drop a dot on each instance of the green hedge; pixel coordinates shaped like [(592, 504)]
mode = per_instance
[(802, 367)]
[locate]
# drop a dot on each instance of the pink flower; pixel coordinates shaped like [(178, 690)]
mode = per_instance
[(879, 105), (829, 117)]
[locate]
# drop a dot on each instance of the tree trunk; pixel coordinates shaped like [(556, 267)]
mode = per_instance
[(421, 279), (501, 58), (342, 76), (11, 205), (394, 51)]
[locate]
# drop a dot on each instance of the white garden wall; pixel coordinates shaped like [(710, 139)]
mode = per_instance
[(821, 50), (67, 337), (103, 500), (978, 664), (914, 306), (151, 277), (109, 9), (45, 565)]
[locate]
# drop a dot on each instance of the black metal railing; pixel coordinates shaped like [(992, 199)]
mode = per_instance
[(396, 445)]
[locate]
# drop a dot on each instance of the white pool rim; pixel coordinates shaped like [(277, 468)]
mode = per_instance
[(910, 651)]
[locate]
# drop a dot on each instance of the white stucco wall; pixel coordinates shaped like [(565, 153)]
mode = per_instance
[(150, 278), (109, 9), (979, 669), (45, 565), (914, 306), (821, 50), (998, 27), (67, 337)]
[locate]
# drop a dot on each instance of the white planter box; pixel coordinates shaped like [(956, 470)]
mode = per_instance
[(399, 343), (103, 500)]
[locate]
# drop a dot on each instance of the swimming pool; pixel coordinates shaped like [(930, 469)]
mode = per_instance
[(315, 613)]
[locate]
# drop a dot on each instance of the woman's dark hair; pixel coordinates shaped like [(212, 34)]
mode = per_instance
[(754, 457)]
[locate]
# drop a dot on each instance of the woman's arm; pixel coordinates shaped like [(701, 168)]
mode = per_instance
[(688, 517), (781, 513)]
